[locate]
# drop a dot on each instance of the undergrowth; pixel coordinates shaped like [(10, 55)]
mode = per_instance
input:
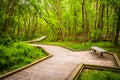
[(98, 75), (17, 55)]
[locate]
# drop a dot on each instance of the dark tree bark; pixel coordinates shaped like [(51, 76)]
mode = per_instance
[(83, 18), (95, 27), (116, 6), (117, 30), (75, 22), (9, 12), (59, 19), (101, 15)]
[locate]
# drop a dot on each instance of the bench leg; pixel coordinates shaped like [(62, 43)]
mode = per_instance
[(101, 54), (94, 51)]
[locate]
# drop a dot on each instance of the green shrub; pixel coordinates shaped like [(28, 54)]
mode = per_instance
[(98, 75), (5, 40), (17, 55)]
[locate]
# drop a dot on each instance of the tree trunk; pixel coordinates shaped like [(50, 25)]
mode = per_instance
[(83, 10), (75, 22), (96, 15), (83, 21), (59, 19), (9, 13), (117, 30), (100, 20)]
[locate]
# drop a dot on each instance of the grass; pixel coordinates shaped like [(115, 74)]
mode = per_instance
[(84, 46), (71, 45), (18, 55), (89, 74)]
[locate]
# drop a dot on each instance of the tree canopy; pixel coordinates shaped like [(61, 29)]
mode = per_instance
[(60, 20)]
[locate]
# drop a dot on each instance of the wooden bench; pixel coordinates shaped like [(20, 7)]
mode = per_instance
[(99, 50)]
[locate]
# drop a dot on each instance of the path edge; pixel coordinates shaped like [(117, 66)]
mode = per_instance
[(64, 47), (28, 65), (116, 58), (78, 70)]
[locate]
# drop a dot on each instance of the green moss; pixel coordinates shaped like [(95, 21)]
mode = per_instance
[(18, 55)]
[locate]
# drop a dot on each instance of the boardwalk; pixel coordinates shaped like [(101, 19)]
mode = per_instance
[(61, 65)]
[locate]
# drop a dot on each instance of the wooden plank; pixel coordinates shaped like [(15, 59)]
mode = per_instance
[(38, 39), (98, 49), (75, 72), (117, 59)]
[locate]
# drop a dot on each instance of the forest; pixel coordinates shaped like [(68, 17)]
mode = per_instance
[(60, 20), (72, 22)]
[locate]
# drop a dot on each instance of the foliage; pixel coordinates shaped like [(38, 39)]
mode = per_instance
[(98, 75), (5, 40), (61, 20), (17, 55)]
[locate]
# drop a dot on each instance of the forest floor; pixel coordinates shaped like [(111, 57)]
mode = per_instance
[(61, 65)]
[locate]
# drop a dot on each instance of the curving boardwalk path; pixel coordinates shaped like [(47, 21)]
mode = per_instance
[(61, 65)]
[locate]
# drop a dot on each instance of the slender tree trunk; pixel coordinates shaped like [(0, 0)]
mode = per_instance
[(35, 26), (117, 29), (59, 18), (95, 27), (100, 20), (107, 17), (75, 22), (101, 15), (18, 32), (83, 10), (83, 21), (87, 26), (9, 13)]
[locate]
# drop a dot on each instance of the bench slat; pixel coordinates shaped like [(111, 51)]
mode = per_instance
[(98, 49)]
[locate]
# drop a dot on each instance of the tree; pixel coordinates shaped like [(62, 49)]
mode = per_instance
[(116, 6)]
